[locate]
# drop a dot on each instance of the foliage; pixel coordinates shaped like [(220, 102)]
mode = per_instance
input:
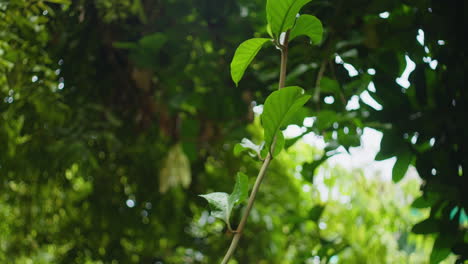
[(89, 114)]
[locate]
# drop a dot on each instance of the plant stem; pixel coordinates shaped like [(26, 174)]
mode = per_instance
[(266, 162), (250, 203), (284, 60)]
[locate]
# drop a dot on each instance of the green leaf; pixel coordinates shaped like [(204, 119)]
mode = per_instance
[(240, 192), (281, 14), (125, 45), (441, 249), (153, 42), (278, 110), (243, 56), (223, 203), (426, 200), (309, 26), (308, 169), (279, 144), (427, 226), (325, 119), (219, 203), (390, 144), (328, 85), (401, 166), (316, 212)]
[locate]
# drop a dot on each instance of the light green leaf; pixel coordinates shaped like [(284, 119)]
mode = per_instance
[(219, 204), (281, 14), (279, 144), (279, 110), (309, 26), (223, 203), (401, 166), (441, 249), (240, 192), (268, 29), (426, 226), (243, 56)]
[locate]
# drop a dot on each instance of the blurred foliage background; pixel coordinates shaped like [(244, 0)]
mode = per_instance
[(115, 115)]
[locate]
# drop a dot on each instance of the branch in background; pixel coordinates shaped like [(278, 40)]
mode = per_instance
[(320, 73), (342, 94)]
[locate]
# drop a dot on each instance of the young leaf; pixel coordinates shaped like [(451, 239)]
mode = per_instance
[(243, 56), (219, 204), (278, 110), (401, 166), (309, 26), (223, 203), (246, 144), (441, 249), (281, 14)]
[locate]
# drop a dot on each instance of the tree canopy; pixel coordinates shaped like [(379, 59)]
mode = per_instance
[(116, 114)]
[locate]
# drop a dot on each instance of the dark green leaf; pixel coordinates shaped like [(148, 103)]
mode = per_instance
[(316, 212), (426, 200), (308, 169), (153, 42), (328, 85), (325, 119), (441, 249), (427, 226), (401, 166), (125, 45)]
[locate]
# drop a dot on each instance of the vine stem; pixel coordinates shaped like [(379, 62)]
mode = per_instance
[(284, 60), (261, 174)]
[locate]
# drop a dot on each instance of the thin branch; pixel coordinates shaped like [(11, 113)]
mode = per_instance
[(317, 82), (284, 60), (250, 203), (266, 162)]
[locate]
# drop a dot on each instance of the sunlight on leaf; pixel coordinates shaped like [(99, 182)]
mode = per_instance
[(278, 111), (281, 14)]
